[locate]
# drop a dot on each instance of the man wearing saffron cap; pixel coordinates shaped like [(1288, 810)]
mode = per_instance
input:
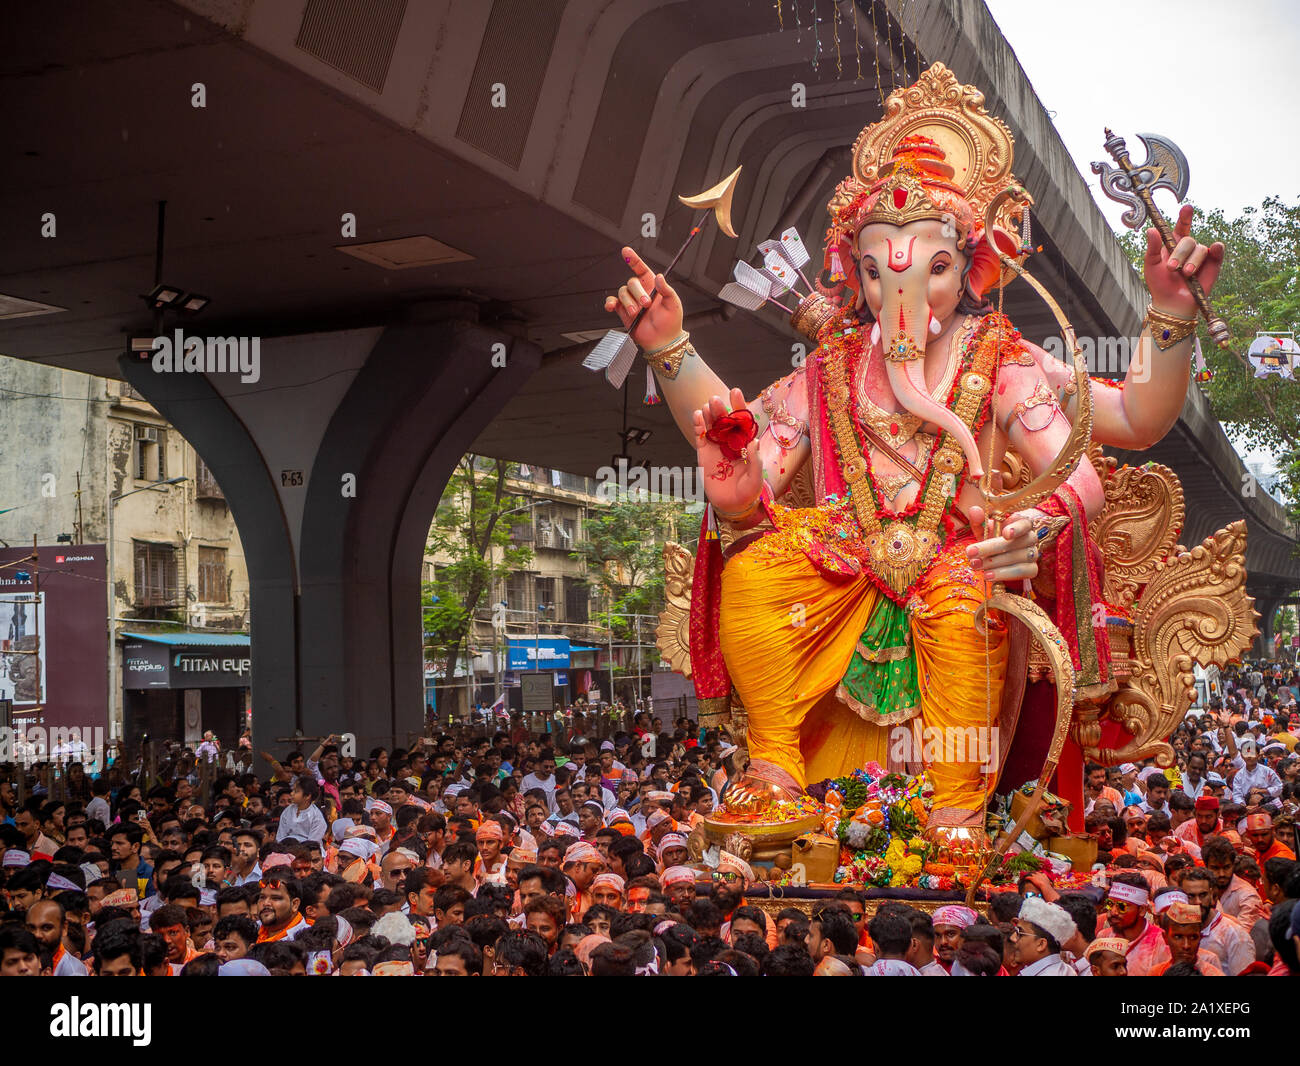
[(948, 925), (1221, 935), (1256, 782), (678, 884), (1108, 956), (1205, 821), (582, 862), (1182, 932), (1039, 931), (607, 890), (657, 820), (672, 851), (1126, 905), (518, 858), (381, 820), (1259, 831), (490, 838)]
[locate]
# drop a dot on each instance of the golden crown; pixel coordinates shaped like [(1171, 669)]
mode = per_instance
[(935, 154)]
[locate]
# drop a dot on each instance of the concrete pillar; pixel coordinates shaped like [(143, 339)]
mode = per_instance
[(1266, 606), (375, 420)]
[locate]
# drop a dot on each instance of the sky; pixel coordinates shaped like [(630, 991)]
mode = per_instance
[(1220, 83)]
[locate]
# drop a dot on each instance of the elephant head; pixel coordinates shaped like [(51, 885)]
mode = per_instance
[(912, 278)]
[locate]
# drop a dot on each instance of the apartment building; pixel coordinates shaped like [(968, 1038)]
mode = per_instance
[(544, 615)]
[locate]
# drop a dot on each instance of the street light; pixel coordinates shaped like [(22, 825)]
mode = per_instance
[(146, 488), (156, 486)]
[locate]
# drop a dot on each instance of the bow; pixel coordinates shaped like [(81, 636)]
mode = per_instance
[(998, 505)]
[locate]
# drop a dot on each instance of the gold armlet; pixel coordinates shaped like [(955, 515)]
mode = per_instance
[(666, 361), (1168, 330)]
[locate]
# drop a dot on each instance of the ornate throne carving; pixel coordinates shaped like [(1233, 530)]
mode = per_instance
[(1167, 609)]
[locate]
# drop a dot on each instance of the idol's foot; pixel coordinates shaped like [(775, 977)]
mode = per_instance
[(762, 785)]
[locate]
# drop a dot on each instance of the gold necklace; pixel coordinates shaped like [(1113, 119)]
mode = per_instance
[(898, 427), (898, 549)]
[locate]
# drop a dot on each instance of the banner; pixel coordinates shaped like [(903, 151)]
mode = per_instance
[(54, 650)]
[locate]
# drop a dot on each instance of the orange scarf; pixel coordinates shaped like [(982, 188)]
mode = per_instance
[(266, 938)]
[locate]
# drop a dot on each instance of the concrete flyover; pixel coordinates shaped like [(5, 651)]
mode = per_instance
[(387, 362)]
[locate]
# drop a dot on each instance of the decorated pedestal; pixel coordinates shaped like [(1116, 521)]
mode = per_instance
[(768, 843)]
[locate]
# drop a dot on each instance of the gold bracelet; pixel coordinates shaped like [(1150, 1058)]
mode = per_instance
[(744, 513), (1168, 330), (666, 360)]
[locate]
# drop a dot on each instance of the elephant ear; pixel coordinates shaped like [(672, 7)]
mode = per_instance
[(986, 269)]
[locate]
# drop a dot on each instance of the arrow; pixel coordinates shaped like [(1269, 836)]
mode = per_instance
[(615, 351)]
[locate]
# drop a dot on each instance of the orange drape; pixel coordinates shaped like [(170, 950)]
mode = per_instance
[(788, 633)]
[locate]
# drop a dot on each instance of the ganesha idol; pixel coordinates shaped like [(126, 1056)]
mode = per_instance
[(840, 600)]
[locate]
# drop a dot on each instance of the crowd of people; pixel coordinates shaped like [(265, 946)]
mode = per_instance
[(514, 854)]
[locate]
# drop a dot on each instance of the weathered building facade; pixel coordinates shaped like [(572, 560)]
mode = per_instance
[(89, 461)]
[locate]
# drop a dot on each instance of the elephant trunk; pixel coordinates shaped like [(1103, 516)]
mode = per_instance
[(907, 320)]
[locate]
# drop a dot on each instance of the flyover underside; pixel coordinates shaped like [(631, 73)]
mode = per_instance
[(335, 562)]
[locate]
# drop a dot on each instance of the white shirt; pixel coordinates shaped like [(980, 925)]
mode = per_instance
[(1194, 791), (1260, 777), (98, 808), (547, 785), (70, 966), (934, 968), (892, 968), (254, 875), (147, 907), (1051, 966), (1229, 942), (302, 825)]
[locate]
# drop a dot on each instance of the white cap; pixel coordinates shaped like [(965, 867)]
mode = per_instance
[(1049, 917)]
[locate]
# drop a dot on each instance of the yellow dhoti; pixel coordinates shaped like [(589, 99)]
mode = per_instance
[(787, 634)]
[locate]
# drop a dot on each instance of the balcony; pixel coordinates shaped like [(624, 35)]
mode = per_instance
[(205, 485)]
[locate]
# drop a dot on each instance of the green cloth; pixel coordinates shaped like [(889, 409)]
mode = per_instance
[(881, 675)]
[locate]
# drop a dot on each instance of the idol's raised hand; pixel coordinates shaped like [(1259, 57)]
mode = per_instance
[(663, 321), (1167, 272)]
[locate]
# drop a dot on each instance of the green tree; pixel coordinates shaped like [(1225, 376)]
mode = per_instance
[(468, 530), (1258, 290), (622, 546)]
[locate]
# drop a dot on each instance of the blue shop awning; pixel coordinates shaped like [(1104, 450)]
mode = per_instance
[(204, 639)]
